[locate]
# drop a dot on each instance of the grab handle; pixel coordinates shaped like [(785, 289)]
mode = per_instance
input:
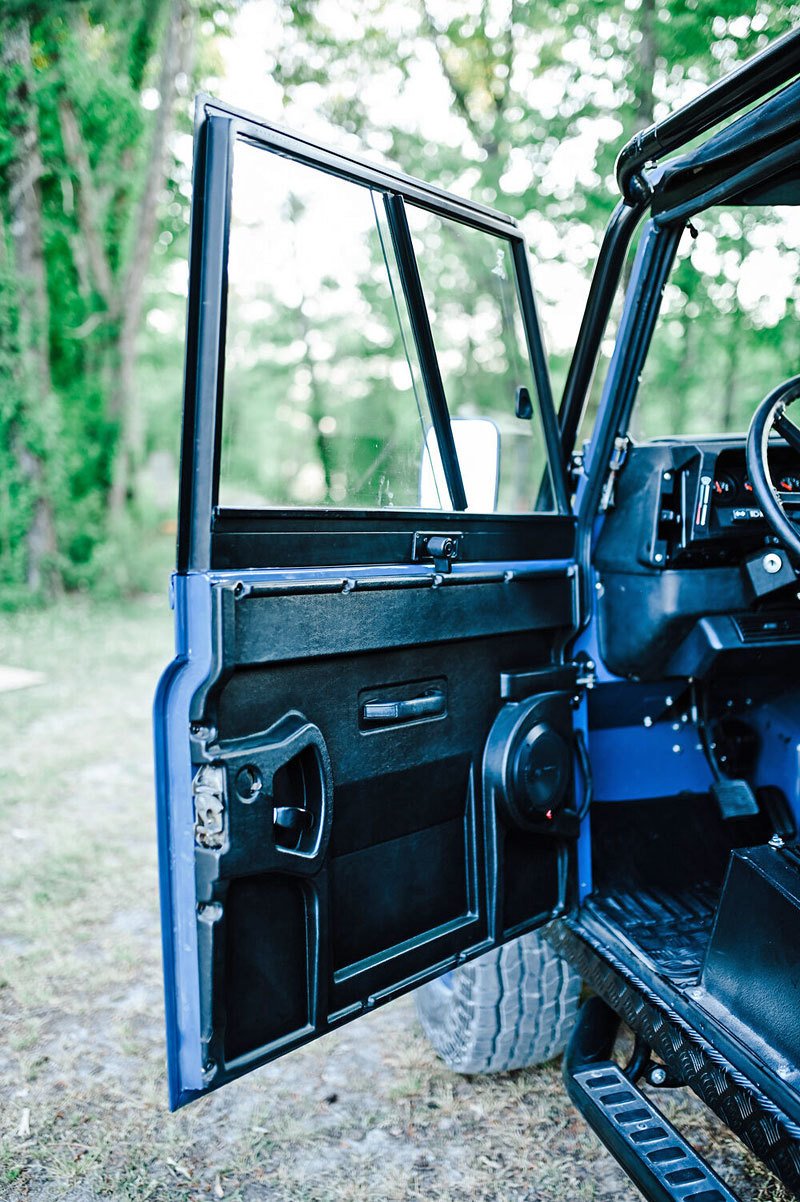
[(429, 705)]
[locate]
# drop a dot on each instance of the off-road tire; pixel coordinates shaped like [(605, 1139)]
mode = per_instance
[(511, 1008)]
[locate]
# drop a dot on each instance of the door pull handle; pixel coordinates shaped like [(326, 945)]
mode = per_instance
[(430, 705)]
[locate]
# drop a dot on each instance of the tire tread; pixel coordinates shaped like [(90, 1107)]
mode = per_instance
[(511, 1008)]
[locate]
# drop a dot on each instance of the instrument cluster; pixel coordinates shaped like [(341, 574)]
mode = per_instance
[(729, 488), (732, 499)]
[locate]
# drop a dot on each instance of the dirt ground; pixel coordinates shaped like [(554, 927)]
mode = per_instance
[(365, 1113)]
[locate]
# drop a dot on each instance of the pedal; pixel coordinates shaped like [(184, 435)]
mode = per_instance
[(735, 798), (655, 1156)]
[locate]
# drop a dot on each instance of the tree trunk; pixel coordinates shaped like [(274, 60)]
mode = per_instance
[(646, 58), (644, 69), (124, 407), (25, 212)]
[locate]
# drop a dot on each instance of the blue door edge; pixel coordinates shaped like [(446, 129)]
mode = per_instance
[(175, 833)]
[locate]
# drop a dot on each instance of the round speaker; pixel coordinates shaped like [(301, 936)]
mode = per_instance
[(540, 772)]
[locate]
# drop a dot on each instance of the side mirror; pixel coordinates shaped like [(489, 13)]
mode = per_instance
[(477, 442)]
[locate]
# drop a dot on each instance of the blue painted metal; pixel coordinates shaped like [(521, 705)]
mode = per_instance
[(778, 726), (633, 763), (617, 383), (581, 723), (175, 826)]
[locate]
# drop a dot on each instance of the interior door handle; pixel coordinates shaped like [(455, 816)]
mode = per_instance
[(429, 705)]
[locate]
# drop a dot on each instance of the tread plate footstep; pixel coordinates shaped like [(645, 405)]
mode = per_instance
[(653, 1153)]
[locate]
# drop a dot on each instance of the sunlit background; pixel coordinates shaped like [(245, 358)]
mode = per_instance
[(520, 107)]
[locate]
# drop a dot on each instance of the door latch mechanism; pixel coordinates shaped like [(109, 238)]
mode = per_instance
[(441, 548)]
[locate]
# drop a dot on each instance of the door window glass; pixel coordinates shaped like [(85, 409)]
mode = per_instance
[(322, 401), (470, 285)]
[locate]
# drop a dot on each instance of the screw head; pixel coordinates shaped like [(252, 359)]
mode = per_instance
[(658, 1075), (249, 782)]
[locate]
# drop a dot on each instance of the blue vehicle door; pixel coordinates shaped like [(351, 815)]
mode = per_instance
[(364, 747)]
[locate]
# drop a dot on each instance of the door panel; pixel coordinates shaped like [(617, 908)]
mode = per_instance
[(339, 863), (348, 805)]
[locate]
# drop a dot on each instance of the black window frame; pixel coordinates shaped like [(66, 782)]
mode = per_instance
[(210, 536)]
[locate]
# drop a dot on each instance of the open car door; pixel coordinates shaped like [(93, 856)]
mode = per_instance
[(365, 755)]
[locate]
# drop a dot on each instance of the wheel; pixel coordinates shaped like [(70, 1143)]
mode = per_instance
[(513, 1007)]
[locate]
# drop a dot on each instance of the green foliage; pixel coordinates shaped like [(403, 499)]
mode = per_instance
[(520, 106), (16, 502), (85, 103)]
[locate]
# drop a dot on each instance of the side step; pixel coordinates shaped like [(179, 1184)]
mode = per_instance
[(655, 1156)]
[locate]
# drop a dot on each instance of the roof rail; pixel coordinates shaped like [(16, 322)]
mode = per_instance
[(774, 66)]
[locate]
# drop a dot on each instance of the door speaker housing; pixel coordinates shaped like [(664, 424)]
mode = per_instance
[(528, 761)]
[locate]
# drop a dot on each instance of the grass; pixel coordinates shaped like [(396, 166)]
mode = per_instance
[(365, 1113)]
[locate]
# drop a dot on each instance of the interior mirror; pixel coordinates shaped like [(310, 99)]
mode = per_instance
[(477, 442)]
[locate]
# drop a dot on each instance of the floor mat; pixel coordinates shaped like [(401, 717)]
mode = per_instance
[(671, 930)]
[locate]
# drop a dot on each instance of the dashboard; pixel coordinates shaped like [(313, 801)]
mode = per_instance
[(707, 512), (676, 556)]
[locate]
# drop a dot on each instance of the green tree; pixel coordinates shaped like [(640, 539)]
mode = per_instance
[(542, 95), (89, 98)]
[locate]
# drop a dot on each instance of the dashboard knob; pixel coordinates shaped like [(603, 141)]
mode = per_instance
[(772, 563)]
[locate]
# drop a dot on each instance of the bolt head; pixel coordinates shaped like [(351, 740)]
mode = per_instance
[(658, 1075), (249, 782)]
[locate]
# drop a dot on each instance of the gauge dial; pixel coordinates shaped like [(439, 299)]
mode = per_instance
[(789, 484), (724, 486)]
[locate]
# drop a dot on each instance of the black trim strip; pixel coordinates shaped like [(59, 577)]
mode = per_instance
[(779, 62), (541, 376), (204, 343), (361, 170), (423, 337), (241, 541), (431, 580)]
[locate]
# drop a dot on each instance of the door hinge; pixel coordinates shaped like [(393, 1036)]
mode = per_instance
[(577, 463), (618, 456), (586, 673)]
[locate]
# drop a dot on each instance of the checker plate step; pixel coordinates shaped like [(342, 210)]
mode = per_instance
[(654, 1155)]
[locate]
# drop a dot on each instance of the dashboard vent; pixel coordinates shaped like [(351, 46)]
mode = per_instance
[(768, 628)]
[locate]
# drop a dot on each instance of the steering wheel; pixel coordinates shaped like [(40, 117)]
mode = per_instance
[(771, 415)]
